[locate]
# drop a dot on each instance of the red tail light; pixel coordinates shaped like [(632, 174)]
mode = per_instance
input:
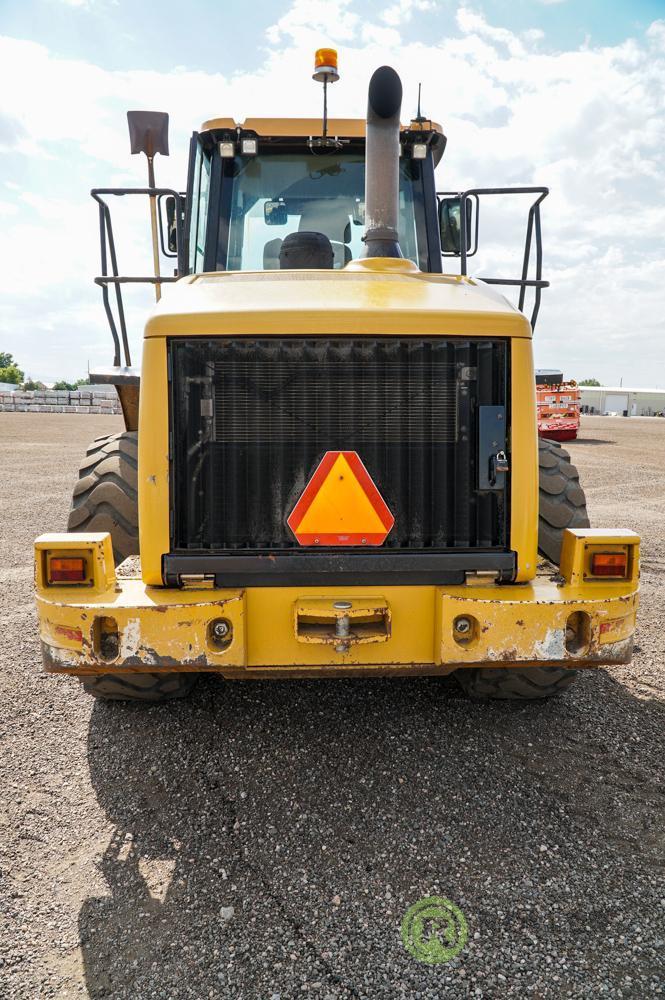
[(67, 570), (609, 564)]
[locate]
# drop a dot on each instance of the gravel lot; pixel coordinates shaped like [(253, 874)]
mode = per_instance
[(264, 840)]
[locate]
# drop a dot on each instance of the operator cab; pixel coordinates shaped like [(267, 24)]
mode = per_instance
[(252, 185)]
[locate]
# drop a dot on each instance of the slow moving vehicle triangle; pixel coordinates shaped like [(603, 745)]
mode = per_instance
[(341, 505)]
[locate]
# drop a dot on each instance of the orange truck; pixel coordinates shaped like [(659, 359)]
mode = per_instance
[(558, 405)]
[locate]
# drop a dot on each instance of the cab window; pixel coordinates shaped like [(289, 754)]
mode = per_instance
[(199, 216), (274, 195)]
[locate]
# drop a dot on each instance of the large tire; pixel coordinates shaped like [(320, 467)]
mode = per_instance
[(105, 497), (562, 505), (562, 501), (515, 683), (139, 687)]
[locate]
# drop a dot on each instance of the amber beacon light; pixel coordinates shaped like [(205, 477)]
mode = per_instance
[(325, 66)]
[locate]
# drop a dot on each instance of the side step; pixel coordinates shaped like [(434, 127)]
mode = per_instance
[(127, 382)]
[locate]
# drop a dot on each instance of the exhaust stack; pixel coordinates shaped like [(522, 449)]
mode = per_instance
[(384, 103)]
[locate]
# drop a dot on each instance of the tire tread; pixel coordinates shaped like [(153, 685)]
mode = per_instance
[(139, 687), (514, 683), (106, 495), (562, 500)]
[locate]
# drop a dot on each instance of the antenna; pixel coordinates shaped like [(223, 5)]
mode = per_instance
[(419, 118)]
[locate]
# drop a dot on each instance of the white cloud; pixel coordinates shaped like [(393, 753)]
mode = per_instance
[(311, 21), (402, 11), (656, 34), (586, 122)]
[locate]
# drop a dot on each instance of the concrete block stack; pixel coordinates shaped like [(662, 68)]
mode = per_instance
[(60, 401)]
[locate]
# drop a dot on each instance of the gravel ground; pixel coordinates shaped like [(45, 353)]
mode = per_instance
[(264, 840)]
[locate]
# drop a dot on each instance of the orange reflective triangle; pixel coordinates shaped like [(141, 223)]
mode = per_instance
[(341, 505)]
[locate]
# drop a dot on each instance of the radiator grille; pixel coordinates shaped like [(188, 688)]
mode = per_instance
[(357, 391), (251, 419)]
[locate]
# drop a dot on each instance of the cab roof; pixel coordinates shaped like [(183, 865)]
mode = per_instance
[(286, 129), (375, 296), (346, 128)]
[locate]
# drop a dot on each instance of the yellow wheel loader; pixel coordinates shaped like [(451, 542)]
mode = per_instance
[(330, 465)]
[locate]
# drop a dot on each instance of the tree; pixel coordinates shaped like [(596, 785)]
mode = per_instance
[(71, 385), (11, 373), (589, 381), (6, 359), (30, 386)]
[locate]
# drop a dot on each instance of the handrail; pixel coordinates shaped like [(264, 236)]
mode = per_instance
[(533, 226), (114, 279)]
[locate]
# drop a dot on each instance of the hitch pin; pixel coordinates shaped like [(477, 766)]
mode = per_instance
[(342, 627)]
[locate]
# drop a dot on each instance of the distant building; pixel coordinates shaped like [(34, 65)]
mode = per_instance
[(8, 387), (622, 401)]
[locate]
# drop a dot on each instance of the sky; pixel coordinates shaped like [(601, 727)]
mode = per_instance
[(564, 93)]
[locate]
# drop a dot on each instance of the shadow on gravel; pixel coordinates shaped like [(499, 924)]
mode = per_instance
[(271, 835), (587, 440)]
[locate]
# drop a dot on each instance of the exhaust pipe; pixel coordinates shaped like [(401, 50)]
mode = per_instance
[(384, 103)]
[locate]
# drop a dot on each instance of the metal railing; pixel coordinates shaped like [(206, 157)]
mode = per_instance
[(114, 278), (533, 232)]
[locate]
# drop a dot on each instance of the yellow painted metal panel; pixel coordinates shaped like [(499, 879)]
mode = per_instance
[(524, 461), (522, 624), (366, 298), (272, 640), (157, 628), (153, 477)]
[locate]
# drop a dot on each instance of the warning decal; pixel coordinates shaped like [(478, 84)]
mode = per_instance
[(341, 505)]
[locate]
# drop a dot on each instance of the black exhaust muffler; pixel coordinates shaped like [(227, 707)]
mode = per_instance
[(384, 103)]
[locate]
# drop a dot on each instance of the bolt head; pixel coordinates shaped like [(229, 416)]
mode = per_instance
[(462, 625), (220, 630)]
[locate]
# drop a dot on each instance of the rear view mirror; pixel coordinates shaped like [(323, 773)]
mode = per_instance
[(170, 221), (275, 213), (171, 225), (450, 225)]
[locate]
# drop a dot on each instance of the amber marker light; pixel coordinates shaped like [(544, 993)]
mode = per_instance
[(609, 564), (67, 570)]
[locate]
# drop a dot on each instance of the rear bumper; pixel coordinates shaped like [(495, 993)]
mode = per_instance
[(287, 631)]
